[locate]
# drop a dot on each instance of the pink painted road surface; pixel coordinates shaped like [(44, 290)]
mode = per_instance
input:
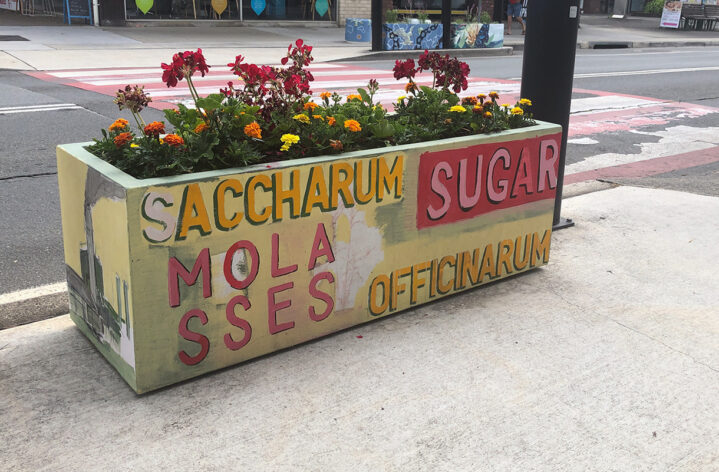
[(595, 113)]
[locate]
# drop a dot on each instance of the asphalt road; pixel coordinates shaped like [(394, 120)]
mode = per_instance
[(31, 251)]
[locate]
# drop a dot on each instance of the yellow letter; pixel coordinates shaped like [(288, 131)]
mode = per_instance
[(193, 214)]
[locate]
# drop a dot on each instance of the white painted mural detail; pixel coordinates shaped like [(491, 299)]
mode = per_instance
[(355, 258)]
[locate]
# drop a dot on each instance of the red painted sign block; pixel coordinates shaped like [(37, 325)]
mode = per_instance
[(459, 184)]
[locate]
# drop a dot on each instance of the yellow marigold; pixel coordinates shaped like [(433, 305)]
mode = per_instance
[(310, 106), (302, 118), (118, 124), (525, 101), (156, 128), (253, 130), (493, 95), (481, 96), (325, 95), (505, 105), (517, 111), (122, 139), (318, 117), (174, 140), (399, 99), (201, 127), (488, 114), (457, 109), (354, 96), (331, 120), (290, 138), (477, 107), (353, 126), (133, 145)]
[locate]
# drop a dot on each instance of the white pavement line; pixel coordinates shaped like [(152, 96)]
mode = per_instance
[(30, 110), (224, 77), (23, 107), (639, 72), (71, 74), (35, 292)]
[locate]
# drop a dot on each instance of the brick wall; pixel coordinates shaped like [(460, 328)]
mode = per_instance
[(355, 9)]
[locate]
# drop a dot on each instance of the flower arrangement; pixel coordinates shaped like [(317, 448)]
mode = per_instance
[(272, 117)]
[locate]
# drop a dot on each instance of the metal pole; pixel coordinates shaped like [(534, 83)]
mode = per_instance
[(550, 45), (446, 24), (377, 20)]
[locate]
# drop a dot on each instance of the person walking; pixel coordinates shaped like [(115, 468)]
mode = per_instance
[(514, 11)]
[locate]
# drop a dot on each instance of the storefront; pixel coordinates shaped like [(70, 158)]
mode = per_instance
[(238, 10)]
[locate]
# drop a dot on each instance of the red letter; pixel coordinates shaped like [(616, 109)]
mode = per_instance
[(547, 166), (238, 322), (273, 307), (320, 240), (320, 295), (194, 337), (175, 269), (254, 266), (275, 266), (438, 187)]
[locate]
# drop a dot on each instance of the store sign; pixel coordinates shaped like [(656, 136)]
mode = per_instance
[(671, 15)]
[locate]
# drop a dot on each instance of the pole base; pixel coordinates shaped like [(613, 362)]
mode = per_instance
[(562, 223)]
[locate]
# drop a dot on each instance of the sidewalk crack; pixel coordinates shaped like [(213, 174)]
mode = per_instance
[(666, 345), (27, 176)]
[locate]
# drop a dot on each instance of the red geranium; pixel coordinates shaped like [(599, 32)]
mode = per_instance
[(184, 65), (404, 69)]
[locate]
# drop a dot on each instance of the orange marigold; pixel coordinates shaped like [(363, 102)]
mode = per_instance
[(155, 128), (336, 144), (310, 106), (253, 130), (325, 95), (318, 117), (354, 96), (118, 124), (493, 95), (411, 87), (122, 139), (174, 140), (331, 120), (353, 126), (469, 101), (201, 127)]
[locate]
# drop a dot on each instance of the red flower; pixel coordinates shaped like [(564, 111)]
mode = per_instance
[(404, 69), (184, 64)]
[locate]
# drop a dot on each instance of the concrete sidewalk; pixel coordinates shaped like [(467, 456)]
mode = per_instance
[(62, 47), (606, 359)]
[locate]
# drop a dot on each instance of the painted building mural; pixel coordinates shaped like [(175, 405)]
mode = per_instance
[(172, 278)]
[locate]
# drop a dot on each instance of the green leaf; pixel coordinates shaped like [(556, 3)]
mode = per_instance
[(382, 130), (363, 93), (209, 104)]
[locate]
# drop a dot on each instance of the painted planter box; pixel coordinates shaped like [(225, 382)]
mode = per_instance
[(358, 30), (174, 277), (477, 35), (398, 36)]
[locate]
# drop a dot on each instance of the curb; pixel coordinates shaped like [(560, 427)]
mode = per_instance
[(415, 53), (31, 305)]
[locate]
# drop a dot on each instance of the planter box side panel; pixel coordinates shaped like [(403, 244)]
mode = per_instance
[(229, 267), (403, 36), (95, 236), (477, 35)]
